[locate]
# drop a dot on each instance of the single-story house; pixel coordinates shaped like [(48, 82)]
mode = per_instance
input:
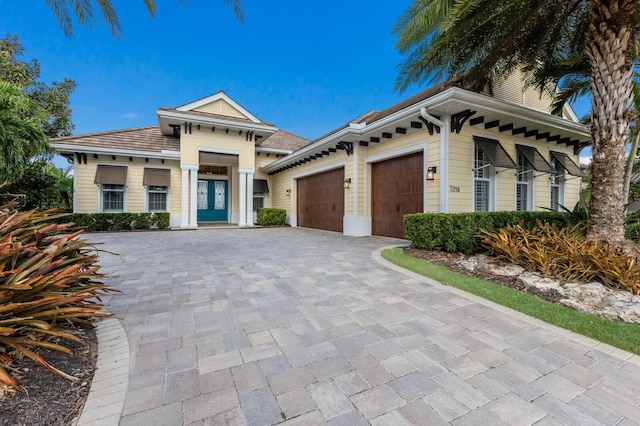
[(445, 149)]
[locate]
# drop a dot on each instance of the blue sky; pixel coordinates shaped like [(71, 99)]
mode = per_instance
[(307, 67)]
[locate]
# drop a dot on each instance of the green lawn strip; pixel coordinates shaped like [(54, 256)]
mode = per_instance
[(621, 335)]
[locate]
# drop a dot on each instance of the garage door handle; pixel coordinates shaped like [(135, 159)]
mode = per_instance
[(397, 207), (333, 208)]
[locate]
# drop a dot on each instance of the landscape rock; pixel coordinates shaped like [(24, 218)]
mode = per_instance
[(593, 298)]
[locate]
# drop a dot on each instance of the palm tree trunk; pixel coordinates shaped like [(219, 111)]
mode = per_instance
[(611, 83), (629, 169)]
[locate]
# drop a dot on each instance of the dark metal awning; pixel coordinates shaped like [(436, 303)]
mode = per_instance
[(260, 186), (496, 154), (567, 164), (111, 175), (156, 177), (534, 158)]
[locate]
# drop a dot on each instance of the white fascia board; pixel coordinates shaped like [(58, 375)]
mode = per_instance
[(301, 153), (215, 97), (509, 108), (472, 99), (438, 100), (568, 109), (169, 155), (216, 121), (274, 150)]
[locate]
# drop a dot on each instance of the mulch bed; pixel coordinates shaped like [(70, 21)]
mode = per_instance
[(51, 399), (449, 260)]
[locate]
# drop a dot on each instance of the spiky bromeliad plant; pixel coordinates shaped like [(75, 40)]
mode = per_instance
[(49, 285)]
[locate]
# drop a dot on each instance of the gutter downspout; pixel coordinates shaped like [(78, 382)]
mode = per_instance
[(444, 158)]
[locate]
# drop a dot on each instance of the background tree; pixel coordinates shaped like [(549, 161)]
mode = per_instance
[(83, 11), (21, 135), (53, 100), (484, 40), (39, 187), (31, 112)]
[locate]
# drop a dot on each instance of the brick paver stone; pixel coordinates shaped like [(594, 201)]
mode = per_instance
[(300, 327)]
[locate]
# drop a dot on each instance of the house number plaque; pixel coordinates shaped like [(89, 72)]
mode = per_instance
[(454, 188)]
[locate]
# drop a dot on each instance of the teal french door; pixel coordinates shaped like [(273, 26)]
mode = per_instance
[(213, 201)]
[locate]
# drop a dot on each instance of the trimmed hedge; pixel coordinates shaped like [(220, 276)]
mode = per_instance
[(95, 222), (271, 217), (461, 231)]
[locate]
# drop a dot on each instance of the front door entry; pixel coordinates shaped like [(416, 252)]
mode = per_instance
[(212, 201)]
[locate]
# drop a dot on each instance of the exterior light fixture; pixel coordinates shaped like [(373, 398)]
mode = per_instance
[(431, 173), (347, 183), (288, 193)]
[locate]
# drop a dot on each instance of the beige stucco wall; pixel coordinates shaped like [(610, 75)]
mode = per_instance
[(227, 143), (87, 193)]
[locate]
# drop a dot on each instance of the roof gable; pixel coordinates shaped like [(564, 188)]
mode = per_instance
[(221, 104)]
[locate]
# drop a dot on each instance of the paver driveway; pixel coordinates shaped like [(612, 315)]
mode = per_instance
[(263, 326)]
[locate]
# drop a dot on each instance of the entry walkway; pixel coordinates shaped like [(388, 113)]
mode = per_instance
[(304, 327)]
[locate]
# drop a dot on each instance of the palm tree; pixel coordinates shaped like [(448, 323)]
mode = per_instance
[(83, 10), (21, 136), (483, 40)]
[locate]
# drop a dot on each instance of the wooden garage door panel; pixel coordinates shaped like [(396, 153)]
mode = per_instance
[(397, 189), (321, 200)]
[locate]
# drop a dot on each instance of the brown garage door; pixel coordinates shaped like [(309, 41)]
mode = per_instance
[(321, 200), (397, 189)]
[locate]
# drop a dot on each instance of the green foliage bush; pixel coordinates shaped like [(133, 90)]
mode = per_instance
[(462, 231), (95, 222), (271, 217)]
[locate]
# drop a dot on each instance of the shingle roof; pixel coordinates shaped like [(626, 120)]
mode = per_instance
[(425, 94), (284, 140), (152, 140), (135, 139), (211, 115), (373, 116)]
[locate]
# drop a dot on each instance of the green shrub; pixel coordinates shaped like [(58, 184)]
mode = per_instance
[(49, 283), (462, 231), (96, 222), (270, 217)]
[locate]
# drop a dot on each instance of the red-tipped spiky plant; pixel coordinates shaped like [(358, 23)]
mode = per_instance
[(49, 285)]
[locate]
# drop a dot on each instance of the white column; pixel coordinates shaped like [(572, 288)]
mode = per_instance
[(443, 170), (184, 218), (243, 198), (193, 214), (249, 199)]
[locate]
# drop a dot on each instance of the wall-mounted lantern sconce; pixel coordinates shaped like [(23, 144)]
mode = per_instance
[(431, 173), (288, 193), (347, 183)]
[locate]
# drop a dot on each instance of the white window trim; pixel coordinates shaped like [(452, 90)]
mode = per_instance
[(529, 184), (491, 179), (101, 199), (262, 195), (146, 201), (560, 185)]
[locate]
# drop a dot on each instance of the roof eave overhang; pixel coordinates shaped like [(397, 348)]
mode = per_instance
[(274, 150), (441, 103), (182, 117), (165, 154), (309, 149), (502, 107)]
